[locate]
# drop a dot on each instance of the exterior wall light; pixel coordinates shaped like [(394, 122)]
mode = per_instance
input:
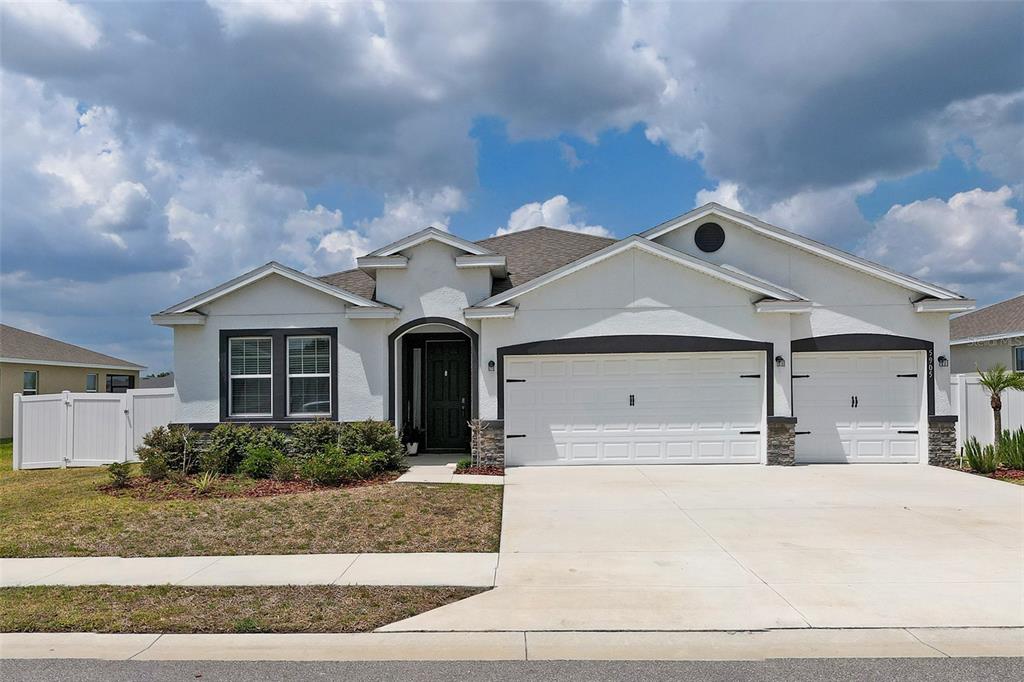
[(490, 365), (943, 361), (780, 361)]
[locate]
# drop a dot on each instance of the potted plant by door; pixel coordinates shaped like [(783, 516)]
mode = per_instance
[(411, 438)]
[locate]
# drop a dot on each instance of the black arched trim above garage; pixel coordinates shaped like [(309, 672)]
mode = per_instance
[(869, 342), (474, 354), (637, 343)]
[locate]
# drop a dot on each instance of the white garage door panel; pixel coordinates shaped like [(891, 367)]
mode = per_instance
[(883, 425), (687, 408)]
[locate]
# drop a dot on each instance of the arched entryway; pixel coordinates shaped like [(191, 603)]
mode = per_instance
[(433, 381)]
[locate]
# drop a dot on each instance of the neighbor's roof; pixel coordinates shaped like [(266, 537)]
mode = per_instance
[(166, 381), (18, 344), (528, 255), (999, 320)]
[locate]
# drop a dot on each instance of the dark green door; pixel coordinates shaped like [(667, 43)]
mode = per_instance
[(448, 395)]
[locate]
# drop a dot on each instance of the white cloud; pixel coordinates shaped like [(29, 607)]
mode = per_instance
[(725, 193), (973, 243), (556, 212), (411, 212), (55, 20)]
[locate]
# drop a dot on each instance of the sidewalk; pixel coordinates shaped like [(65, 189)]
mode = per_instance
[(441, 469), (521, 646), (450, 569)]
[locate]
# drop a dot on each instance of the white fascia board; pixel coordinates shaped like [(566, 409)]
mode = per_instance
[(990, 337), (371, 313), (381, 262), (431, 233), (271, 268), (495, 312), (638, 242), (770, 306), (495, 262), (175, 319), (85, 365), (801, 242), (940, 305)]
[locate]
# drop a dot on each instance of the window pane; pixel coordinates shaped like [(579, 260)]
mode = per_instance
[(309, 395), (91, 382), (250, 396), (1019, 358), (250, 356), (309, 355), (119, 383), (29, 381)]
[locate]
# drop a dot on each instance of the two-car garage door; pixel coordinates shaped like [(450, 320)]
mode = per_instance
[(634, 408)]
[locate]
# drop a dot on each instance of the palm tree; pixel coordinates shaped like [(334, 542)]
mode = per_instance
[(995, 381)]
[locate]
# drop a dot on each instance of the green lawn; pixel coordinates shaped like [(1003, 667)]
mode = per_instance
[(327, 608), (64, 513)]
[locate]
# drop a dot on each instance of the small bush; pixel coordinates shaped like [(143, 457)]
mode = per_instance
[(226, 447), (204, 482), (216, 461), (368, 437), (1011, 449), (285, 469), (464, 463), (119, 473), (178, 446), (154, 463), (269, 437), (326, 467), (357, 468), (260, 462), (981, 458), (311, 438)]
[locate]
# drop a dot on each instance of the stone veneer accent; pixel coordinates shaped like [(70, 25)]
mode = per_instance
[(487, 441), (781, 441), (942, 440)]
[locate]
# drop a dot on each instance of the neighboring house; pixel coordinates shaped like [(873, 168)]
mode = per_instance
[(32, 364), (161, 381), (713, 337), (989, 336)]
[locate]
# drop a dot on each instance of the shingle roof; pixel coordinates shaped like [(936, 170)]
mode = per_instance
[(528, 255), (23, 345), (1002, 318)]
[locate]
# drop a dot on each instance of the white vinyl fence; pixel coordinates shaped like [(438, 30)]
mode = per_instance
[(86, 429), (974, 411)]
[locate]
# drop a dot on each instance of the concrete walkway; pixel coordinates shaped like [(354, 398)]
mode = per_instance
[(455, 569), (521, 646), (739, 547), (441, 469)]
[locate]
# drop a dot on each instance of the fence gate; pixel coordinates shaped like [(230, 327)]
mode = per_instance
[(86, 429)]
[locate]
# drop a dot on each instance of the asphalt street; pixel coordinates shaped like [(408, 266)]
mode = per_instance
[(838, 670)]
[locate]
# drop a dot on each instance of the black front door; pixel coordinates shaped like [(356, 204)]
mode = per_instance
[(447, 395)]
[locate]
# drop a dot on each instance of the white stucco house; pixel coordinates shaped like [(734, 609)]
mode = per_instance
[(711, 338)]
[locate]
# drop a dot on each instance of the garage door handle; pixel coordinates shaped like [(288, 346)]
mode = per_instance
[(801, 433), (515, 381), (906, 432), (749, 433), (516, 435), (801, 376), (901, 376), (750, 376)]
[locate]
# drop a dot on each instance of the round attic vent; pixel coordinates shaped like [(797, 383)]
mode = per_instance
[(709, 237)]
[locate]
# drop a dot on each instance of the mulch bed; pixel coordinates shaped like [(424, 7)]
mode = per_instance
[(142, 488), (998, 474), (492, 470)]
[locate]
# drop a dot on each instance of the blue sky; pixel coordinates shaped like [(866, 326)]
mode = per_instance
[(153, 150)]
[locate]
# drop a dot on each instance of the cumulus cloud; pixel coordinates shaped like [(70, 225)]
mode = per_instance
[(725, 193), (972, 243), (556, 212)]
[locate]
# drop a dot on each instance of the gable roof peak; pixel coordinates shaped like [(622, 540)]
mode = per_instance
[(431, 233)]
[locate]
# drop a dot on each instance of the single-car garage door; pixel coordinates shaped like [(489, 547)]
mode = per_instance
[(671, 408), (858, 407)]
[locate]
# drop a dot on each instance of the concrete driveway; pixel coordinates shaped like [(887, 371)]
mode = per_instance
[(748, 547)]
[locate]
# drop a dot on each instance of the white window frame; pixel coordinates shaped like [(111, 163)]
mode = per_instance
[(232, 377), (30, 391), (288, 377), (96, 386)]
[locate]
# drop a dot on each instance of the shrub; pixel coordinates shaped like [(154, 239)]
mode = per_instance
[(226, 447), (204, 482), (285, 469), (326, 467), (981, 458), (119, 473), (177, 444), (154, 463), (1011, 449), (357, 467), (260, 462), (368, 437), (311, 438), (464, 463)]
